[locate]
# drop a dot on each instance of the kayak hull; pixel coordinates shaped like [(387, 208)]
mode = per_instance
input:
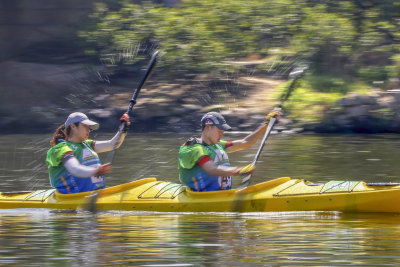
[(279, 195)]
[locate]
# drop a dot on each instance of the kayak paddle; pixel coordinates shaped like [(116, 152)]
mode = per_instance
[(91, 203), (133, 102), (246, 180), (296, 74), (239, 202)]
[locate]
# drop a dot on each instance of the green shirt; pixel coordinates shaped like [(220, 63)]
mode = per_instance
[(193, 175), (64, 181)]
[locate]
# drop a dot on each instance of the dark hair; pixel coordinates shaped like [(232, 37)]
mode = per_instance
[(204, 126), (61, 133)]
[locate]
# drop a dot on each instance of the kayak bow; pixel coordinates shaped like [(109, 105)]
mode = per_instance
[(282, 194)]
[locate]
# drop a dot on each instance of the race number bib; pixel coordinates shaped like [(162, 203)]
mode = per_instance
[(225, 182), (97, 179)]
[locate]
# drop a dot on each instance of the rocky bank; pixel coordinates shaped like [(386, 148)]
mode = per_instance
[(374, 113), (36, 98)]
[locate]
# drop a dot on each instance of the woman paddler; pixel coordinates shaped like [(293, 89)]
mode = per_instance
[(72, 160)]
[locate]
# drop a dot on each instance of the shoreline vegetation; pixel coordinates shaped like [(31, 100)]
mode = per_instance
[(178, 106), (230, 56)]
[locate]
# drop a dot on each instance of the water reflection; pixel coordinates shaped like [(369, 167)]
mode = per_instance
[(40, 237), (205, 239)]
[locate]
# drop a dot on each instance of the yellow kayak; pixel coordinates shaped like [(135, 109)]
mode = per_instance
[(282, 194)]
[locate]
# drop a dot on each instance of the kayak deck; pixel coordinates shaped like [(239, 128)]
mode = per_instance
[(282, 194)]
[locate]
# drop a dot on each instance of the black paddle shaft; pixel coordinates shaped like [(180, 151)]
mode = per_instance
[(146, 75), (268, 131), (133, 102), (297, 74), (246, 180)]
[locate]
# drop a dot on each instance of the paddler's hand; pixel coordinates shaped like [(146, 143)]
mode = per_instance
[(248, 169), (276, 113), (125, 118), (103, 170)]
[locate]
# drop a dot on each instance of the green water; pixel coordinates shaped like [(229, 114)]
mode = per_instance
[(48, 238), (313, 157)]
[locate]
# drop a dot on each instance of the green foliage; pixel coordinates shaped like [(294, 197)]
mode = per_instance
[(394, 70), (313, 94), (196, 36), (338, 38), (373, 73), (325, 38), (307, 105), (328, 84)]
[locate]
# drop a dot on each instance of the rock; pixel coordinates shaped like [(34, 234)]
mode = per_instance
[(191, 108), (356, 99), (386, 101), (357, 111), (245, 126), (343, 121), (102, 99), (103, 113), (346, 102), (28, 83)]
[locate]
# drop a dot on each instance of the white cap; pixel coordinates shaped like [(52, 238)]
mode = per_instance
[(82, 118)]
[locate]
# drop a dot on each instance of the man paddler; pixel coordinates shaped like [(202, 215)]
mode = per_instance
[(203, 162)]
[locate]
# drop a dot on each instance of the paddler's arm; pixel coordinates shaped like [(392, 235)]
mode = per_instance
[(215, 170), (105, 146), (73, 166), (209, 166), (249, 140)]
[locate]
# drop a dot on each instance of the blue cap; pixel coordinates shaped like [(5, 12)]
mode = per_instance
[(214, 118)]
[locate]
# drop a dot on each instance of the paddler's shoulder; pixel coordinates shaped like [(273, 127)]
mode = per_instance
[(61, 146), (193, 143)]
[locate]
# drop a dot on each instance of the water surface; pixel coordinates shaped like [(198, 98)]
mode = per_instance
[(56, 238)]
